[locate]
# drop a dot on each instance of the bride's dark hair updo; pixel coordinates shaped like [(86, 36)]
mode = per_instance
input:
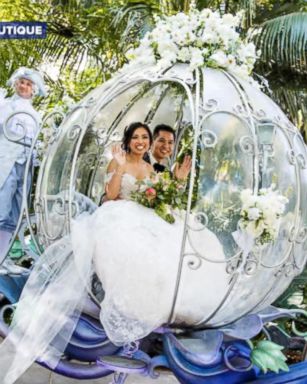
[(129, 131)]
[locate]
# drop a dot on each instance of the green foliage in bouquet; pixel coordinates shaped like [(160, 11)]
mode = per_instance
[(162, 193)]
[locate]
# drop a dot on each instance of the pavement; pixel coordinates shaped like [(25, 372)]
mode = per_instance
[(39, 375)]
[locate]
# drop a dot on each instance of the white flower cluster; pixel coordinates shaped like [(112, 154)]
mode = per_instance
[(260, 214), (200, 38)]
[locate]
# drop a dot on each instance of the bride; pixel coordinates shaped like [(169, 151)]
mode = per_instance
[(134, 252)]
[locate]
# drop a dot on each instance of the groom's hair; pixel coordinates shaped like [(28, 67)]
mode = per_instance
[(129, 131), (163, 127)]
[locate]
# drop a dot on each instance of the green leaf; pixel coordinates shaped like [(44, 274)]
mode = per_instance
[(267, 345), (283, 40), (268, 356), (257, 359)]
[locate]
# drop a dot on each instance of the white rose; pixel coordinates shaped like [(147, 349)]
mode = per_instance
[(209, 36), (231, 60), (194, 21), (239, 70), (149, 59), (282, 199), (184, 54), (205, 13), (167, 47), (180, 17), (254, 230), (179, 36), (229, 20), (220, 58), (228, 36), (163, 63), (264, 204), (247, 51), (191, 37), (196, 56), (253, 213)]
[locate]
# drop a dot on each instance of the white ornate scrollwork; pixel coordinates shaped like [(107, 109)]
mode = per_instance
[(233, 263), (90, 159), (74, 132), (87, 103), (251, 265), (103, 160), (209, 138), (301, 160), (51, 121), (260, 114), (247, 144), (301, 235), (241, 111), (200, 222), (292, 234), (193, 260), (58, 215), (60, 206), (287, 269), (211, 105), (115, 136), (291, 157), (15, 137)]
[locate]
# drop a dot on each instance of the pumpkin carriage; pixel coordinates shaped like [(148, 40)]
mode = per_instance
[(239, 140)]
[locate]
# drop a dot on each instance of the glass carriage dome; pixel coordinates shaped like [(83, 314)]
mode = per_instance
[(238, 138)]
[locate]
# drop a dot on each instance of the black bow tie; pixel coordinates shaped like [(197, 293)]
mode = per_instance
[(159, 167)]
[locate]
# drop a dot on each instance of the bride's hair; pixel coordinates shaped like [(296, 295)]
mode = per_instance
[(129, 131)]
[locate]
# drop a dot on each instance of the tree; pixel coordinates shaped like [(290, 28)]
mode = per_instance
[(78, 39)]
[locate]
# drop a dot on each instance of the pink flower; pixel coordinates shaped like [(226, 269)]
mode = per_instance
[(150, 193)]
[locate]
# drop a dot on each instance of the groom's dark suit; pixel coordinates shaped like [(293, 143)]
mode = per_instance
[(156, 166)]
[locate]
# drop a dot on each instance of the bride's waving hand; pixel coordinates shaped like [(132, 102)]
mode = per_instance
[(119, 156), (116, 168)]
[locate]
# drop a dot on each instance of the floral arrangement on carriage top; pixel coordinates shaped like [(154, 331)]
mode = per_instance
[(162, 193), (201, 38)]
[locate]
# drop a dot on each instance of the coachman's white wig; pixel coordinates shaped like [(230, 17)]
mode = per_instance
[(32, 75)]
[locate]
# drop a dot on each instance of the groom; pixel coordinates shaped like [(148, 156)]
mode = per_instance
[(162, 149)]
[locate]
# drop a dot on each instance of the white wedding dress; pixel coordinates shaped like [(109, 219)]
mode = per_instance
[(136, 255)]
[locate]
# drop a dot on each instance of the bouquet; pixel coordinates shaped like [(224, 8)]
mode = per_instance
[(261, 213), (161, 193)]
